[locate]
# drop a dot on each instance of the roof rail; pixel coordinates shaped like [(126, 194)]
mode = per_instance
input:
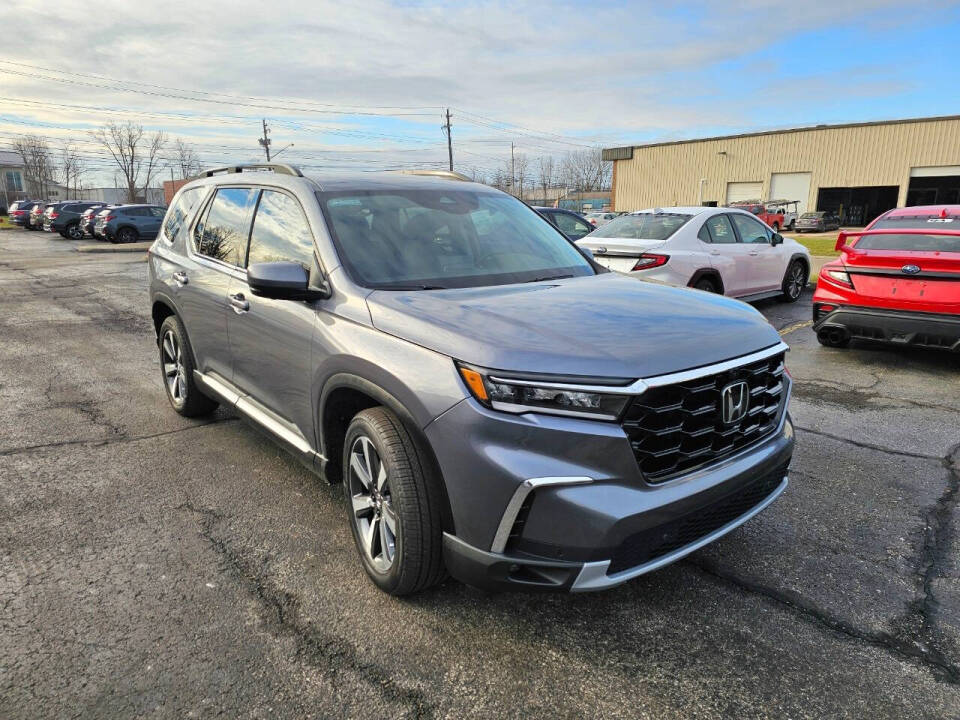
[(279, 168), (448, 174)]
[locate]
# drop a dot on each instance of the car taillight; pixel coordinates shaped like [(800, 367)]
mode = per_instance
[(17, 213), (837, 277), (650, 260), (108, 218), (54, 215)]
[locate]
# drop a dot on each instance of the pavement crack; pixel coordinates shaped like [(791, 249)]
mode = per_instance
[(867, 446), (112, 441), (280, 613), (941, 666)]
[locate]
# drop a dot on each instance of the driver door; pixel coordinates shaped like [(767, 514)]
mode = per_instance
[(764, 259)]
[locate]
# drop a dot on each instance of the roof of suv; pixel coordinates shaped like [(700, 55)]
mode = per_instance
[(337, 182)]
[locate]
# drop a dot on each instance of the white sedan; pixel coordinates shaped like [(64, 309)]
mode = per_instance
[(720, 250)]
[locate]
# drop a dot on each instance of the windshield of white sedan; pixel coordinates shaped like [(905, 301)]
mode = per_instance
[(643, 226), (431, 239)]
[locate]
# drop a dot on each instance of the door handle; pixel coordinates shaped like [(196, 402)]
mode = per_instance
[(239, 303), (754, 252), (180, 278)]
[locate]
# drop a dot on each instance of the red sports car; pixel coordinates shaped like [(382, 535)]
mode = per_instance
[(898, 281)]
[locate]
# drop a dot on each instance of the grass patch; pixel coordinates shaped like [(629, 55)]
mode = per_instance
[(5, 223), (817, 244)]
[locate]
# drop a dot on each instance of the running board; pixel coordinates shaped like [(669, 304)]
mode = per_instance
[(267, 419)]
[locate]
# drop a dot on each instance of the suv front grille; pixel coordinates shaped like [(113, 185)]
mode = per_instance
[(663, 539), (678, 428)]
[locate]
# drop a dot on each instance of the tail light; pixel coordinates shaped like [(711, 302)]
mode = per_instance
[(17, 213), (650, 260), (837, 277), (108, 218), (54, 215)]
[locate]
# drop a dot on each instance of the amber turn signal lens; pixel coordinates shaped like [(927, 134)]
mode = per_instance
[(474, 381)]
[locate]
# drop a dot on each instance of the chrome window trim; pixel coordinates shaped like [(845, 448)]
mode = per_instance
[(519, 495)]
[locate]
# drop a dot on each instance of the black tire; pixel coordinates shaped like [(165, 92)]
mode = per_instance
[(125, 235), (792, 225), (73, 232), (776, 227), (794, 281), (187, 399), (414, 497), (706, 284)]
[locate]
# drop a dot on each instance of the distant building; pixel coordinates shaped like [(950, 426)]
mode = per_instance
[(118, 196), (859, 170), (563, 197), (170, 188), (12, 180)]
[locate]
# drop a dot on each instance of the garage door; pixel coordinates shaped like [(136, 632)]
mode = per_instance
[(934, 185), (791, 186), (742, 191)]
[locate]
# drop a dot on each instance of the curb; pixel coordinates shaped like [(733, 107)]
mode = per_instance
[(111, 248)]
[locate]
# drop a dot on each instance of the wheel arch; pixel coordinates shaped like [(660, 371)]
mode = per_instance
[(710, 273), (802, 258), (343, 396)]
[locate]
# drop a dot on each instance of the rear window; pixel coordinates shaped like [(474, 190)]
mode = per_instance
[(811, 215), (643, 226), (915, 242)]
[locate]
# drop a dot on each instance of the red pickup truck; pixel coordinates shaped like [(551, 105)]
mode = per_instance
[(768, 215)]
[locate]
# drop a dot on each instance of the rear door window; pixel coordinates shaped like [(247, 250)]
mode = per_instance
[(222, 234), (280, 232), (571, 226), (718, 230)]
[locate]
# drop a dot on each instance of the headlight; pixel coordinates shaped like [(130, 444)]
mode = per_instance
[(518, 395)]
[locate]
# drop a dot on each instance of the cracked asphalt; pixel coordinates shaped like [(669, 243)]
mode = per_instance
[(153, 566)]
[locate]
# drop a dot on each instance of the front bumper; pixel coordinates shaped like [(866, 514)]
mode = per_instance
[(592, 521), (897, 327)]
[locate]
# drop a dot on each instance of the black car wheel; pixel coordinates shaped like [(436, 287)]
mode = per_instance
[(126, 235), (795, 281), (706, 284), (74, 232), (393, 502)]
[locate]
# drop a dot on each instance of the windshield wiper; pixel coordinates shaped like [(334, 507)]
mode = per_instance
[(413, 287), (549, 277)]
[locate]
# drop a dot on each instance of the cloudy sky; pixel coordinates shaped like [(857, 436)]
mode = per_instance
[(362, 84)]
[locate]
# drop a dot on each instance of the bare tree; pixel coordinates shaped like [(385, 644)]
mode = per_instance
[(546, 174), (521, 166), (72, 168), (37, 164), (585, 170), (185, 159), (136, 156)]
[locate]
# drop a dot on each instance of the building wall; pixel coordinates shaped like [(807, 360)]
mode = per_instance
[(878, 154)]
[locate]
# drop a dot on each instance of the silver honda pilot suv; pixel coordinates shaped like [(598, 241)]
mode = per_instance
[(496, 405)]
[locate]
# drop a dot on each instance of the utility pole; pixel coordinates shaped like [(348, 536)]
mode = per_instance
[(513, 176), (449, 141), (265, 140)]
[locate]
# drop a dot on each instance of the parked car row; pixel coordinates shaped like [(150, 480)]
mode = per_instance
[(76, 219)]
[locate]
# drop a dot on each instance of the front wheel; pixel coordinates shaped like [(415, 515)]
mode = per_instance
[(794, 281), (705, 284), (393, 502)]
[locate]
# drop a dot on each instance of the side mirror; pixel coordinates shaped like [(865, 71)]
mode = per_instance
[(777, 239), (284, 281)]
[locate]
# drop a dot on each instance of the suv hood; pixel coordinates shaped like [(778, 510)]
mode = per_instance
[(606, 325)]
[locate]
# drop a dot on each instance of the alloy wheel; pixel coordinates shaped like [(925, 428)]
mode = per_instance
[(173, 371), (75, 232), (795, 283), (372, 504)]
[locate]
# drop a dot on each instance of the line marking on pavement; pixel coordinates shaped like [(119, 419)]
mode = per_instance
[(796, 326)]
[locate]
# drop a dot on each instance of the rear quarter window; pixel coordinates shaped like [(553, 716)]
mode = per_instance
[(181, 212)]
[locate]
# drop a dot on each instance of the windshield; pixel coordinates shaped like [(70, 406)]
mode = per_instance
[(643, 226), (426, 239)]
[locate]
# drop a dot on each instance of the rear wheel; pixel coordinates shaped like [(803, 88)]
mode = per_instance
[(794, 281), (393, 502), (74, 232), (776, 227), (126, 235), (706, 284), (176, 368)]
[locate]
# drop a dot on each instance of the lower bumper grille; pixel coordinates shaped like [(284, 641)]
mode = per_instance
[(663, 539), (678, 428)]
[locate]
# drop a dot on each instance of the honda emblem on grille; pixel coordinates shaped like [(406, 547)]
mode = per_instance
[(734, 400)]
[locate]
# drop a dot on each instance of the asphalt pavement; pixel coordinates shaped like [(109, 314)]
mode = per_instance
[(154, 566)]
